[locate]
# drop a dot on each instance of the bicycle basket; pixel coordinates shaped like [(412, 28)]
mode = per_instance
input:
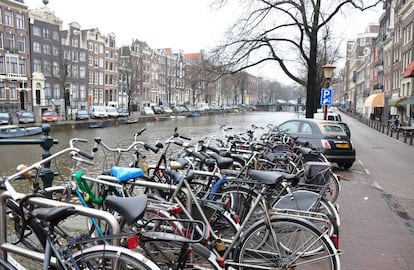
[(317, 173)]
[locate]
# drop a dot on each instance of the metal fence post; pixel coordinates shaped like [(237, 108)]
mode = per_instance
[(46, 143)]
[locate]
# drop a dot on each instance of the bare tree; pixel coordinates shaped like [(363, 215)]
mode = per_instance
[(283, 31)]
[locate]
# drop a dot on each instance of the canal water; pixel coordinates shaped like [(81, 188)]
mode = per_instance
[(195, 128)]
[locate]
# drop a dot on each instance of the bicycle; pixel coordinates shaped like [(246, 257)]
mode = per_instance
[(46, 220)]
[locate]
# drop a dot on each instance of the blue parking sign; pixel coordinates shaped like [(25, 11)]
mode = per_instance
[(326, 96)]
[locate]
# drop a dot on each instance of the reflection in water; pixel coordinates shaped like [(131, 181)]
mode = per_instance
[(195, 128)]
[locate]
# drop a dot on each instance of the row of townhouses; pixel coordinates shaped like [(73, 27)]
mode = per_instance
[(378, 78), (43, 66)]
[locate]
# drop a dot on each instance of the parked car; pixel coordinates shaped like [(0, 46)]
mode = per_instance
[(5, 118), (112, 112), (26, 117), (157, 109), (147, 111), (50, 116), (82, 115), (97, 112), (123, 113), (166, 109), (327, 136)]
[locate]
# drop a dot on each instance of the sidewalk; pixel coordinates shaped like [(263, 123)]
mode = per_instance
[(376, 231)]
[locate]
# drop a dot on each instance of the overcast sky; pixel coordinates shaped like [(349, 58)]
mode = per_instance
[(189, 25)]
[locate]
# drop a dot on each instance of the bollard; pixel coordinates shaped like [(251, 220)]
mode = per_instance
[(46, 142)]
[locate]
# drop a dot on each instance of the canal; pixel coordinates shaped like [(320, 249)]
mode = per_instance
[(195, 128)]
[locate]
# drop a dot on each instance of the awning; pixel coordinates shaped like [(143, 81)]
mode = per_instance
[(409, 71), (409, 100), (397, 101), (375, 100)]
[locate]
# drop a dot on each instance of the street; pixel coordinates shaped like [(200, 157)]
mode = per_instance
[(377, 202)]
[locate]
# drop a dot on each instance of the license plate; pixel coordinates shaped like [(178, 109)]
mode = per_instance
[(342, 145)]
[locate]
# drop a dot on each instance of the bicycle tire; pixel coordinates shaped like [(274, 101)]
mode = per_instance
[(167, 255), (32, 238), (295, 236), (305, 200), (112, 257)]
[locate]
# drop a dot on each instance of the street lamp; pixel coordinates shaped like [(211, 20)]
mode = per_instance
[(328, 70)]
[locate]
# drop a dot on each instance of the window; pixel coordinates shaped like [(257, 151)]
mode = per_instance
[(101, 62), (55, 35), (1, 40), (96, 48), (82, 56), (75, 42), (2, 91), (11, 65), (47, 68), (66, 54), (82, 72), (22, 67), (21, 44), (8, 18), (36, 31), (13, 91), (56, 91), (75, 73), (290, 127), (75, 56), (46, 33), (101, 48), (48, 92), (55, 50), (2, 69), (20, 20), (82, 92), (96, 78), (46, 49), (56, 69), (306, 128), (36, 47), (1, 16), (90, 78), (95, 62), (37, 66), (9, 42), (90, 60), (90, 46)]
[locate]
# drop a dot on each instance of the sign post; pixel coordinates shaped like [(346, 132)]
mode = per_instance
[(326, 99)]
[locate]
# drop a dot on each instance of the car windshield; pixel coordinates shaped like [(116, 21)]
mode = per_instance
[(4, 115), (49, 113), (29, 114), (82, 112), (111, 109)]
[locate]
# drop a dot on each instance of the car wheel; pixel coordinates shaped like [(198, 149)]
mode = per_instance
[(347, 165)]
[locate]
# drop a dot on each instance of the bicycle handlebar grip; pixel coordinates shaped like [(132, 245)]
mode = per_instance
[(95, 148), (85, 154), (152, 148), (140, 131), (215, 150), (185, 138)]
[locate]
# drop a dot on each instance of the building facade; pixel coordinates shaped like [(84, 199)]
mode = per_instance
[(15, 84)]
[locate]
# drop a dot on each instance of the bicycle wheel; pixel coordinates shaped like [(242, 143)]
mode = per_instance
[(112, 257), (304, 200), (173, 255), (32, 238), (285, 244)]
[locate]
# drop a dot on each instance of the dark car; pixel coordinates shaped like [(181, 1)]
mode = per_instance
[(327, 136), (157, 109), (82, 115), (123, 113), (26, 117), (5, 118)]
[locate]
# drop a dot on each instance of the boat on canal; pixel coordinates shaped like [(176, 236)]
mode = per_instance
[(12, 131)]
